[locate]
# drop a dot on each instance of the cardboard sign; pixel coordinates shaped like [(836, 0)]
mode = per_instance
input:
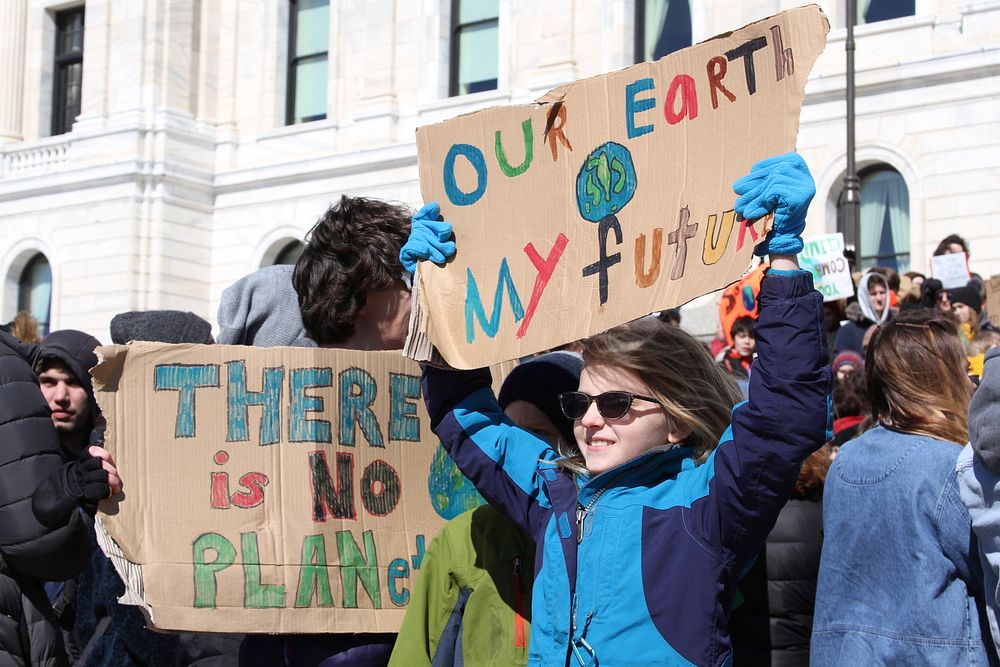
[(271, 489), (951, 269), (824, 256), (609, 198), (993, 300)]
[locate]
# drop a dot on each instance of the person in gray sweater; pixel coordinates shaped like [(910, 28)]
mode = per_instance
[(978, 469)]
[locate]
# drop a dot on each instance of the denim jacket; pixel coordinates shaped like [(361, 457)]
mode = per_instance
[(899, 574)]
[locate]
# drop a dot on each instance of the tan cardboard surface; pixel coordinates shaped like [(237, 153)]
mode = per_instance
[(993, 300), (271, 489), (608, 199)]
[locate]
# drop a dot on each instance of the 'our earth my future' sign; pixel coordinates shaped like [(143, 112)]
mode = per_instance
[(610, 197)]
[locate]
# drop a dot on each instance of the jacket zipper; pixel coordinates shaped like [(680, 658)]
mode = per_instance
[(520, 640), (581, 511)]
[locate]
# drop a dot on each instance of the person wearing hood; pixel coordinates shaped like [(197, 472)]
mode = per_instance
[(978, 469), (42, 536), (871, 308)]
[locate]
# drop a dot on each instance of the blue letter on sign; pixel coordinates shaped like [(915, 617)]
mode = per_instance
[(478, 162), (474, 304)]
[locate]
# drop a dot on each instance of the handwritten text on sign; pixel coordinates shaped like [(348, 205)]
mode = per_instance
[(273, 489), (627, 208)]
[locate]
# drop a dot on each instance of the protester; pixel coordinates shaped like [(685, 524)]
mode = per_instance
[(966, 308), (851, 410), (23, 327), (833, 313), (42, 536), (872, 307), (163, 326), (951, 243), (261, 309), (663, 530), (773, 624), (471, 604), (978, 469), (846, 364), (737, 360), (985, 341), (671, 316), (351, 283), (892, 504)]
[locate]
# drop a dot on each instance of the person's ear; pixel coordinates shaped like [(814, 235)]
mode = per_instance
[(678, 432)]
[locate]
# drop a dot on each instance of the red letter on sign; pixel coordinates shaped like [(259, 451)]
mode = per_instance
[(545, 269)]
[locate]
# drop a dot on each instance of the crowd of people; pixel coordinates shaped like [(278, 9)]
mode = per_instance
[(814, 486)]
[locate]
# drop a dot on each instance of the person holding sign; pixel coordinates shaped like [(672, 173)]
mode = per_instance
[(643, 536)]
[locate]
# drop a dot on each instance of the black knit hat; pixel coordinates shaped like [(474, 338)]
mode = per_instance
[(967, 295), (162, 326), (539, 381)]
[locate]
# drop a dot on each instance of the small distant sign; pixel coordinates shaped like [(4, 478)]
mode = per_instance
[(951, 269), (824, 257)]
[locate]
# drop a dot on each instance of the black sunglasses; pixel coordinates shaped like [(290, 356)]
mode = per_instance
[(610, 404)]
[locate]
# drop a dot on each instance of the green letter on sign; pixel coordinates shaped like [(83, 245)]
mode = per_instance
[(204, 572), (313, 575), (257, 595), (354, 566)]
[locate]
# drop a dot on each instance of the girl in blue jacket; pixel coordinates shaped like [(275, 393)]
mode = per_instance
[(644, 525)]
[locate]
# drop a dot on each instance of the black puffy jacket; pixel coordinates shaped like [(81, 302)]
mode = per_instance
[(774, 623), (30, 552)]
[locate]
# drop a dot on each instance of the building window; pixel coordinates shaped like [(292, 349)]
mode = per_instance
[(68, 71), (661, 27), (870, 11), (34, 291), (308, 44), (475, 46), (290, 253), (885, 219)]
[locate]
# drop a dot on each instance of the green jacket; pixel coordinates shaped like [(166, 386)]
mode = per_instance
[(471, 603)]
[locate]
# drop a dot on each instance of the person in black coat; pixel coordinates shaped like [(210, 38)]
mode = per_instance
[(773, 624), (42, 535)]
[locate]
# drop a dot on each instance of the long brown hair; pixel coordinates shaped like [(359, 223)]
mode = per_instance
[(692, 388), (915, 372)]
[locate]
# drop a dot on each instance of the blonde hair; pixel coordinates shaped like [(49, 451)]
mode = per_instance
[(915, 372), (24, 327), (692, 388)]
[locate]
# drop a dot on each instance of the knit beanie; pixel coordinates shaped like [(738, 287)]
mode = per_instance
[(849, 357), (967, 295), (262, 309), (162, 326), (539, 381)]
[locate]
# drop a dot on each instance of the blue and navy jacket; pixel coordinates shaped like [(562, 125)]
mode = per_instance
[(665, 542)]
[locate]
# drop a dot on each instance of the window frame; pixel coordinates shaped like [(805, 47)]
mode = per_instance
[(876, 260), (62, 62), (293, 63), (24, 296), (454, 61)]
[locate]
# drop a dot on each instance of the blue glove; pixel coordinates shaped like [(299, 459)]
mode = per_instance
[(781, 184), (428, 239)]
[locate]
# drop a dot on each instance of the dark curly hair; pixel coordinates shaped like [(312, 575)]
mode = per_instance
[(353, 248)]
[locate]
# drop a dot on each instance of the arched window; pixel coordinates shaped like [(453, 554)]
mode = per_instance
[(884, 218), (870, 11), (34, 291), (661, 27), (290, 253)]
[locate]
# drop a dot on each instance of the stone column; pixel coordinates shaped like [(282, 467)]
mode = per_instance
[(13, 15)]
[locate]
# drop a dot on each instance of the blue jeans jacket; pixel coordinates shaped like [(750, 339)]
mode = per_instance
[(899, 574), (980, 490)]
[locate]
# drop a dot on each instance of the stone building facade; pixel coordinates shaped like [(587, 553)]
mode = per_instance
[(182, 166)]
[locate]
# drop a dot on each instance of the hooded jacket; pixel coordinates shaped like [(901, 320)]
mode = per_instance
[(76, 350), (861, 315), (647, 573), (30, 551), (979, 481)]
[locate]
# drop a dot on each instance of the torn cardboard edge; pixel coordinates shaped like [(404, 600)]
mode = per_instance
[(130, 573), (432, 311)]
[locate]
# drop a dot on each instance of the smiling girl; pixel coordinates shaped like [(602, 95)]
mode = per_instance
[(644, 529)]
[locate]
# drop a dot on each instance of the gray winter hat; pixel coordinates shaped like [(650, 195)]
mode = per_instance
[(163, 326), (984, 414), (262, 309)]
